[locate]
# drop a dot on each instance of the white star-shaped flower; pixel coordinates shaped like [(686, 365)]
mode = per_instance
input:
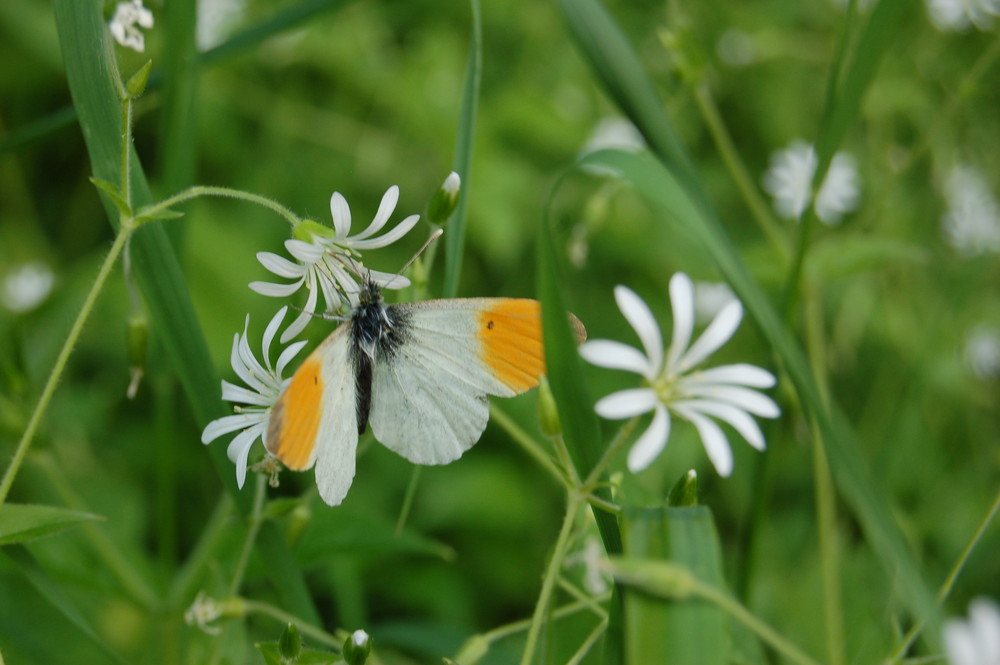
[(976, 641), (675, 387), (971, 221), (789, 181), (125, 24), (264, 387), (329, 260), (959, 15)]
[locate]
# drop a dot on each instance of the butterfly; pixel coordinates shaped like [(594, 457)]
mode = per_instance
[(418, 373)]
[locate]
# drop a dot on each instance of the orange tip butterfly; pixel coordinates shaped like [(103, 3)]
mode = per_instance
[(418, 373)]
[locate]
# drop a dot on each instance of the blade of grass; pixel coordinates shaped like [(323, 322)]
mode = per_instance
[(454, 239), (89, 69)]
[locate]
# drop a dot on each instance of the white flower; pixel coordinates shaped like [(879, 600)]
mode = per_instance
[(330, 261), (595, 575), (26, 286), (976, 641), (216, 19), (789, 181), (971, 222), (958, 15), (982, 351), (360, 638), (723, 392), (123, 24), (265, 386), (203, 612)]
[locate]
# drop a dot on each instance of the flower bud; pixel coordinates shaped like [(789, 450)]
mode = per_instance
[(685, 490), (548, 414), (445, 200), (290, 643), (137, 83), (357, 647)]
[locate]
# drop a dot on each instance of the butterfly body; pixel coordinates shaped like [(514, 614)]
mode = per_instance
[(418, 373)]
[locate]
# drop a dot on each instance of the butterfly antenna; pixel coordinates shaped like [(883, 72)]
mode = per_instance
[(427, 243)]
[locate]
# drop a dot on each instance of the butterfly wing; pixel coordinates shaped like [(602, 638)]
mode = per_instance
[(429, 398), (315, 419)]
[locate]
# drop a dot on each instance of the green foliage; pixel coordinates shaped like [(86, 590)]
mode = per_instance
[(867, 324)]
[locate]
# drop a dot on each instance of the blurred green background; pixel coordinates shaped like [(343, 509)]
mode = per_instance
[(365, 95)]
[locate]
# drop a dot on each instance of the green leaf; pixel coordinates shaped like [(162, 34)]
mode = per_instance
[(114, 194), (658, 630), (90, 69), (454, 239), (21, 522)]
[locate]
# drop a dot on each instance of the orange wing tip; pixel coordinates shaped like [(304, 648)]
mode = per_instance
[(295, 419), (510, 331)]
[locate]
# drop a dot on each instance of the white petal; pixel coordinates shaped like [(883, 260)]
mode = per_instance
[(744, 398), (299, 324), (238, 451), (269, 331), (652, 442), (398, 232), (240, 395), (984, 621), (615, 355), (276, 290), (714, 440), (307, 252), (287, 355), (960, 643), (717, 334), (626, 403), (281, 266), (740, 374), (341, 213), (737, 418), (637, 313), (387, 280), (253, 372), (385, 208), (228, 424), (682, 304)]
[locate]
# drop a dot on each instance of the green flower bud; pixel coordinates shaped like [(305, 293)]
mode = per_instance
[(290, 643), (548, 414), (685, 490), (445, 200), (357, 647), (137, 83)]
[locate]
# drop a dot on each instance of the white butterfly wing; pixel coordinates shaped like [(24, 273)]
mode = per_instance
[(315, 420), (429, 399)]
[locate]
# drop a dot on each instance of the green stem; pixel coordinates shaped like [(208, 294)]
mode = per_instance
[(207, 190), (751, 196), (50, 385), (949, 582), (551, 576), (260, 481), (126, 150), (609, 453), (744, 616), (528, 443), (284, 617), (411, 491), (588, 643), (516, 627)]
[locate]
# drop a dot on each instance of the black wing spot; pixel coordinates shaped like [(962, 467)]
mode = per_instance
[(489, 325)]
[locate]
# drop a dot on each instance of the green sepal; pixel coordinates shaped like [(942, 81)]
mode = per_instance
[(271, 652), (137, 83), (685, 490), (166, 213), (290, 642)]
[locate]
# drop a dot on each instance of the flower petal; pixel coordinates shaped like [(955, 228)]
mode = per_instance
[(717, 334), (281, 266), (269, 331), (287, 355), (682, 305), (341, 213), (275, 290), (615, 355), (714, 440), (388, 280), (626, 403), (637, 313), (239, 449), (385, 208), (743, 398), (240, 395), (307, 252), (299, 324), (740, 374), (227, 424), (398, 232), (739, 419), (652, 442)]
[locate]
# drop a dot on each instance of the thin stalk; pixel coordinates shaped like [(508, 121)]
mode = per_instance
[(520, 626), (126, 151), (528, 443), (949, 582), (411, 491), (588, 643), (50, 385), (551, 577), (624, 432), (284, 617), (260, 480), (738, 171), (744, 616), (207, 190)]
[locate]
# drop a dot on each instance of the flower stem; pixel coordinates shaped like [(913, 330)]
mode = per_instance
[(307, 629), (207, 190), (50, 385), (255, 519), (528, 443), (411, 491), (738, 171), (126, 150), (623, 435), (551, 576)]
